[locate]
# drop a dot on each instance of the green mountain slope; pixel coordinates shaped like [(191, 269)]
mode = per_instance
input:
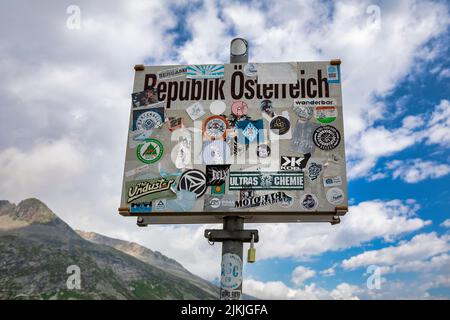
[(36, 248)]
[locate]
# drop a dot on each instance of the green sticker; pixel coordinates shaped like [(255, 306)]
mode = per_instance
[(150, 151)]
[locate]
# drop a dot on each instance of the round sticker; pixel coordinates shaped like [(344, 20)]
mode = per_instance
[(251, 69), (267, 107), (150, 151), (193, 181), (309, 202), (239, 108), (263, 151), (216, 152), (325, 114), (217, 107), (215, 127), (326, 137), (286, 202), (335, 196), (231, 273), (148, 120), (280, 125)]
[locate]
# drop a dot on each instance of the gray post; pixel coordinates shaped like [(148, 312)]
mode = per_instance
[(232, 249)]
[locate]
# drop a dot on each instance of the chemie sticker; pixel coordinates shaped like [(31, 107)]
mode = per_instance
[(266, 180)]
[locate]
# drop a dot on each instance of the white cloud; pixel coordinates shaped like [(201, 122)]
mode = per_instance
[(301, 274), (413, 171), (345, 291), (423, 252), (438, 131), (446, 223), (277, 290), (329, 272), (364, 222)]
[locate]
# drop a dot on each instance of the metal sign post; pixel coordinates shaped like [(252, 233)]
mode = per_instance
[(233, 234)]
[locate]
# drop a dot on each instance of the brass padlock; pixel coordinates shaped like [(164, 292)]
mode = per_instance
[(251, 255)]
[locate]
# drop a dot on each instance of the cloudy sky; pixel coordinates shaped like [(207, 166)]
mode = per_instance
[(64, 106)]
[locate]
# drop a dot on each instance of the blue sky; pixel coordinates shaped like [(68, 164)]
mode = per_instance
[(64, 101)]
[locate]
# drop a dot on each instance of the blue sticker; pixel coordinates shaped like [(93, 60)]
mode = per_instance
[(148, 119), (143, 207), (250, 131), (334, 74), (184, 202)]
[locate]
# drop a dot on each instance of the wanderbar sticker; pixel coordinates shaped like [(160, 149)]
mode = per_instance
[(210, 71), (151, 189), (266, 180)]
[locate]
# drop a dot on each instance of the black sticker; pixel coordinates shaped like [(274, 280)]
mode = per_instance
[(193, 181), (263, 151), (280, 125), (326, 137), (217, 174), (294, 163)]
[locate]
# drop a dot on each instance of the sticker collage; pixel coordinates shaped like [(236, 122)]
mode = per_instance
[(236, 138)]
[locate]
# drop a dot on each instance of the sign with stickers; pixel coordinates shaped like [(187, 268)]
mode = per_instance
[(262, 140)]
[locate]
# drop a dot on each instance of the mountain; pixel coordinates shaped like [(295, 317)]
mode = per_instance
[(150, 257), (37, 247)]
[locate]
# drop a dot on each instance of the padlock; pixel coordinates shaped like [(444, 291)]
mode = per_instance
[(251, 254)]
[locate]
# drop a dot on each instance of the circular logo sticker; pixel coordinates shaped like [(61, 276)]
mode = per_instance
[(286, 202), (217, 107), (215, 127), (325, 114), (303, 112), (280, 125), (193, 181), (148, 121), (335, 196), (239, 108), (309, 202), (251, 69), (150, 151), (326, 137), (263, 151), (231, 273)]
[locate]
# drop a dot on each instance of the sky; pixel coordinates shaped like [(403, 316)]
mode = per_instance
[(65, 83)]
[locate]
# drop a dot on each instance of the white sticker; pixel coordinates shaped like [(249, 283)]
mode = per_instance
[(196, 111), (332, 181), (251, 69), (172, 73), (159, 205), (281, 73), (217, 107), (335, 196), (136, 171), (231, 273)]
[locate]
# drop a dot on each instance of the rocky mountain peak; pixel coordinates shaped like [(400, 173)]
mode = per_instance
[(34, 211)]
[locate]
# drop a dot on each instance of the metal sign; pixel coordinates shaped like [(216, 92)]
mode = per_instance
[(264, 141)]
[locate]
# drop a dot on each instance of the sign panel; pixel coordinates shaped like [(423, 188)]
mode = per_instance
[(260, 140)]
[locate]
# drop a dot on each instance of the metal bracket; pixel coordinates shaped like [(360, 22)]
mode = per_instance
[(214, 235)]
